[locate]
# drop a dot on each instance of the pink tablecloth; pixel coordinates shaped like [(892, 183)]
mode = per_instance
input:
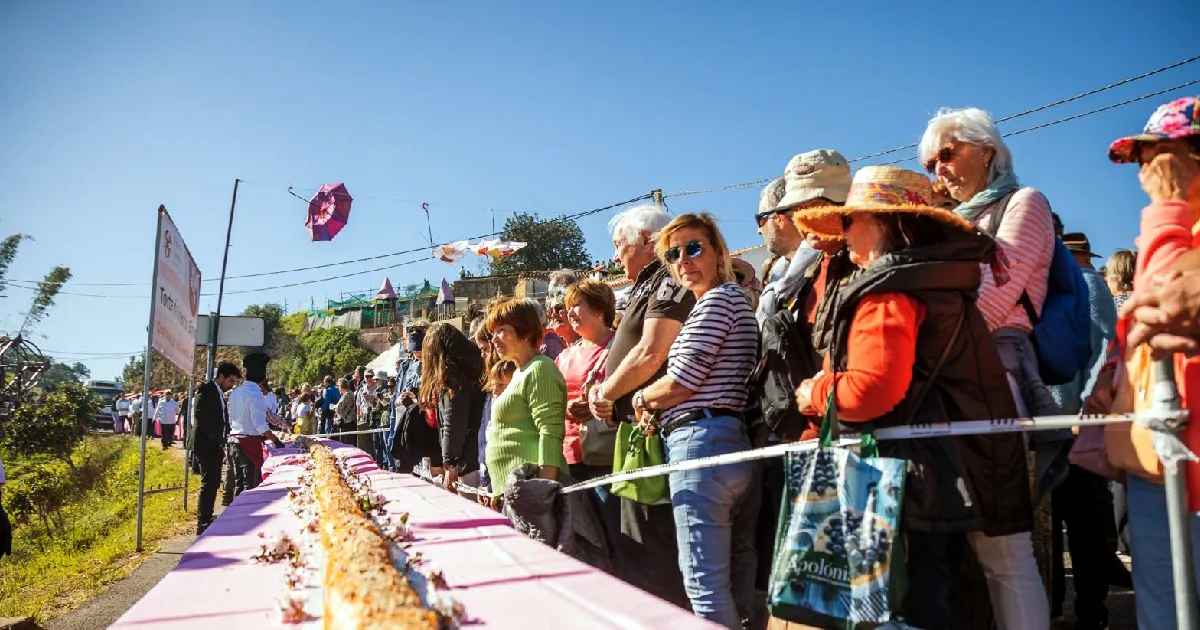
[(502, 578)]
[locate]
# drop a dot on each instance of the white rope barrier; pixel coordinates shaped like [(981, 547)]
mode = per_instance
[(1160, 421)]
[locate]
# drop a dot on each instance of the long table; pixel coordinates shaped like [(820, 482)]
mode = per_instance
[(503, 579)]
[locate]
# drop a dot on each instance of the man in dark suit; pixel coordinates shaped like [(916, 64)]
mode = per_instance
[(210, 427)]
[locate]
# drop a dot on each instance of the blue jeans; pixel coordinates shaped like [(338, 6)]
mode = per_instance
[(716, 513), (1150, 545)]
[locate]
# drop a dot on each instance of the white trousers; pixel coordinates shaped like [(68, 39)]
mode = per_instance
[(1014, 584)]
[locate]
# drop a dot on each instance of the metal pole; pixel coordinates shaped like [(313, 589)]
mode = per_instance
[(216, 327), (187, 447), (146, 381), (1166, 398)]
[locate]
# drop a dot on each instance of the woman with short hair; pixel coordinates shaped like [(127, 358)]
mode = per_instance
[(527, 419), (698, 407), (965, 151), (1118, 273)]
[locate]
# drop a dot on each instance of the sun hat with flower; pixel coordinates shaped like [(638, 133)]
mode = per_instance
[(1178, 119), (881, 190)]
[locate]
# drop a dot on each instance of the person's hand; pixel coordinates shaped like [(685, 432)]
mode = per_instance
[(1168, 176), (484, 497), (804, 398), (578, 410), (450, 478), (600, 407), (1166, 314)]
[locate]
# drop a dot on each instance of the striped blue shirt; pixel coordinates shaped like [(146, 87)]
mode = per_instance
[(715, 352)]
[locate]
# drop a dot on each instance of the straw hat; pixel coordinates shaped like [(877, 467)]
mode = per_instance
[(883, 190)]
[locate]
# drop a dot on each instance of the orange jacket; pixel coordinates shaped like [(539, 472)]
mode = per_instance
[(1168, 231)]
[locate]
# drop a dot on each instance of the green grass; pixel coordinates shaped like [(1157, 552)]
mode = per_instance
[(48, 575)]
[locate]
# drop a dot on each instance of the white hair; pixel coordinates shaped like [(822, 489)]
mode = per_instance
[(771, 195), (972, 126), (628, 225)]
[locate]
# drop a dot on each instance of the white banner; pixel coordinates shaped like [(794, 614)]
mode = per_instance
[(176, 295)]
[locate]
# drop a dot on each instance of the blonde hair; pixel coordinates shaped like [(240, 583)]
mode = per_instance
[(1120, 267), (706, 223)]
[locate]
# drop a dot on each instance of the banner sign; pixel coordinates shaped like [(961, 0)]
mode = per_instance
[(176, 296)]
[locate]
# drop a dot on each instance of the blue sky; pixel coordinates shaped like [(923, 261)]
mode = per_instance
[(110, 109)]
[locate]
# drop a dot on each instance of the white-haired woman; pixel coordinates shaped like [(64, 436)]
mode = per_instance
[(964, 150), (556, 311)]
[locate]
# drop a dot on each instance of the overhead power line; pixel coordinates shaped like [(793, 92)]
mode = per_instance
[(1034, 110), (681, 193)]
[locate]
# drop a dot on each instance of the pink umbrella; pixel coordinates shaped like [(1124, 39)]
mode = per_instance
[(328, 212)]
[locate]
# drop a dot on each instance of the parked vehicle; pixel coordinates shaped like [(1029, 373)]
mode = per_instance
[(107, 392)]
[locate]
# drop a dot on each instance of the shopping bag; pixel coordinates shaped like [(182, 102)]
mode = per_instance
[(634, 449), (839, 557)]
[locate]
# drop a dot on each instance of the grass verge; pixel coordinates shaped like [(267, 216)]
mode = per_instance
[(48, 574)]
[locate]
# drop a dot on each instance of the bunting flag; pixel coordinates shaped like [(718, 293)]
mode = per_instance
[(493, 248)]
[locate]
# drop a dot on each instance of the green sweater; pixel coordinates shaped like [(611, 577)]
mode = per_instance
[(527, 422)]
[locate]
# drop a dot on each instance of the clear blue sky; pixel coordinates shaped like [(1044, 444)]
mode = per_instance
[(109, 109)]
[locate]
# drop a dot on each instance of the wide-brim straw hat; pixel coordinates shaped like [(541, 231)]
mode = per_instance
[(880, 190)]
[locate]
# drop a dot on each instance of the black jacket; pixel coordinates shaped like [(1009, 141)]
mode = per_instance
[(210, 418), (965, 483), (459, 417)]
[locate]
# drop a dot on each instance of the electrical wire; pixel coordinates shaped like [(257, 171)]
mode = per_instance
[(681, 193), (1034, 110)]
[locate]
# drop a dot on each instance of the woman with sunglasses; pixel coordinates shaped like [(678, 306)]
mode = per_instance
[(912, 307), (698, 408), (964, 150)]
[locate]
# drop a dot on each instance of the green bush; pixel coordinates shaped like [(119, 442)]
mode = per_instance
[(53, 425)]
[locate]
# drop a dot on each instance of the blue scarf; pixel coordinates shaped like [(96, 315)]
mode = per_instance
[(995, 191)]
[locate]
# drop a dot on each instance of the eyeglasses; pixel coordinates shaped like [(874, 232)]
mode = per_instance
[(692, 249), (762, 217), (945, 155)]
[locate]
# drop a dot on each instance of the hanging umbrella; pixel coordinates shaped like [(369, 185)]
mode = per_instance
[(328, 212), (386, 292), (450, 252)]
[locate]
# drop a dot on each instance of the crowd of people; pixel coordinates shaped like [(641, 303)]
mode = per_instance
[(892, 298)]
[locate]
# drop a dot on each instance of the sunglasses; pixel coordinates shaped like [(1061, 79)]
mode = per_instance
[(847, 221), (762, 217), (945, 155), (739, 276), (692, 249)]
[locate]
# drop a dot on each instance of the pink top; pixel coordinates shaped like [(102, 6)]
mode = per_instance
[(1026, 234), (1169, 230), (575, 363)]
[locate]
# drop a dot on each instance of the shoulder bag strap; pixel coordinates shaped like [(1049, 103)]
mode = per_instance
[(937, 367)]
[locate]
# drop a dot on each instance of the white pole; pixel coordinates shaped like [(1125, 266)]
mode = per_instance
[(1166, 398), (141, 497)]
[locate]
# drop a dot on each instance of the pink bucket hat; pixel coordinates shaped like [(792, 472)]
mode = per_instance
[(1178, 119)]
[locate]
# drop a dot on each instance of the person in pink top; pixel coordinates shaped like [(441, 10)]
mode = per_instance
[(964, 150), (591, 310), (1164, 312)]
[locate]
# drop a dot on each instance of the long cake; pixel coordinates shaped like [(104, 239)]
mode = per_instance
[(363, 588)]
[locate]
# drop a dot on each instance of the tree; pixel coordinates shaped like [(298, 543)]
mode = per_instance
[(62, 373), (551, 244), (326, 351), (43, 299), (280, 342), (8, 251), (53, 426)]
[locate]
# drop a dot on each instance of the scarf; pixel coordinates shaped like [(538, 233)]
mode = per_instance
[(995, 191)]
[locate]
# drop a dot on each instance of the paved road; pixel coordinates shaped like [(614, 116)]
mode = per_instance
[(103, 610)]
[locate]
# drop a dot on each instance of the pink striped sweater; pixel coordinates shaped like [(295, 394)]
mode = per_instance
[(1026, 234)]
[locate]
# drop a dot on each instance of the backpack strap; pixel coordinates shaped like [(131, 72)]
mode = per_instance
[(997, 216), (1030, 311)]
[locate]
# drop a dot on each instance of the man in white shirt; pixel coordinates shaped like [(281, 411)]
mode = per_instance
[(248, 428), (123, 408), (166, 414)]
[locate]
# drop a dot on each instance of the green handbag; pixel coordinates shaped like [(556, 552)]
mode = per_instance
[(634, 449)]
